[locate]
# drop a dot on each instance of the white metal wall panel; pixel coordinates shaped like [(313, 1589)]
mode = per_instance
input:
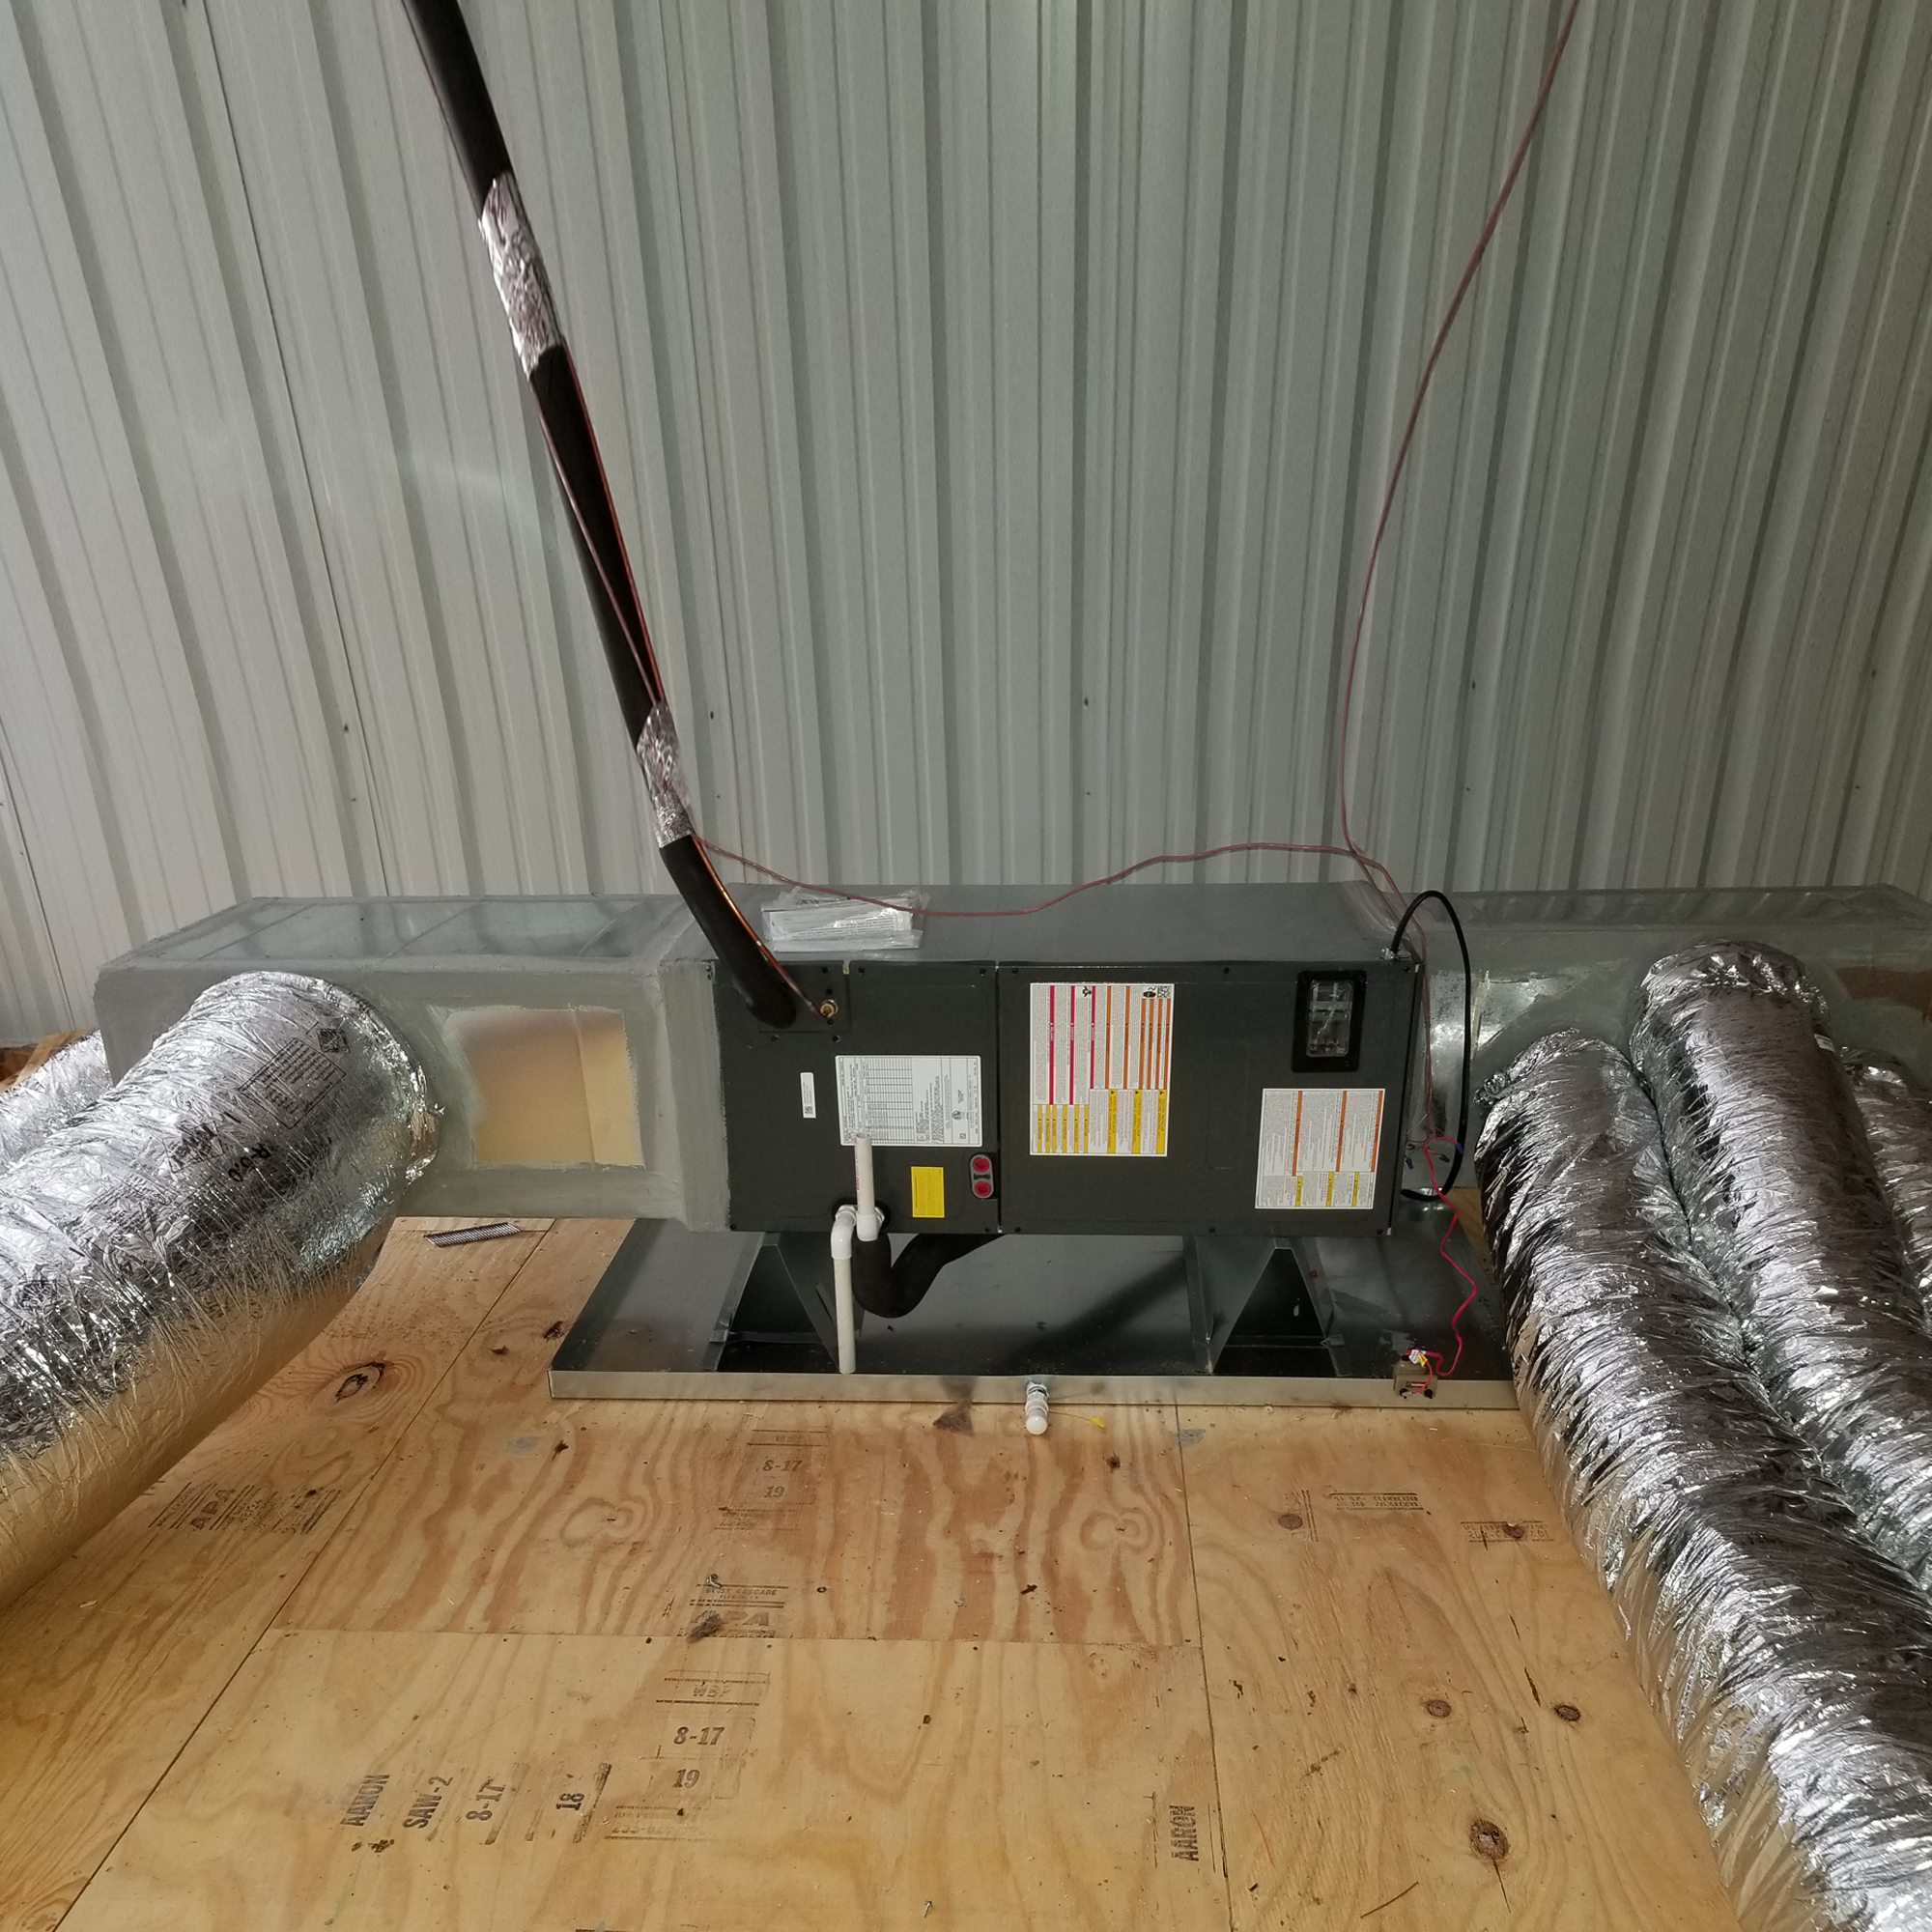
[(30, 966), (999, 396)]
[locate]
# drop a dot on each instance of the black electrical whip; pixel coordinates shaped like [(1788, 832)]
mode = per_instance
[(515, 261)]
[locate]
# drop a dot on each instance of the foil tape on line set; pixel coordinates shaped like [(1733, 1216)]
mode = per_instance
[(1769, 1157), (662, 767), (1792, 1664), (516, 265), (51, 1094), (1897, 1117), (162, 1254)]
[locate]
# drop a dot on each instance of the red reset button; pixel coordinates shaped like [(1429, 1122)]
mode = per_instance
[(982, 1176)]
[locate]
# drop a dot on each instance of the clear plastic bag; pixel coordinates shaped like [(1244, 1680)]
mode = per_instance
[(807, 921)]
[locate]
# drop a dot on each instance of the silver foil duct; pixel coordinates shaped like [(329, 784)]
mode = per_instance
[(1898, 1130), (1785, 1207), (164, 1253), (51, 1094), (1791, 1664)]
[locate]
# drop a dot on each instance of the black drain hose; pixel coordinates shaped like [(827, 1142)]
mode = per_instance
[(888, 1288)]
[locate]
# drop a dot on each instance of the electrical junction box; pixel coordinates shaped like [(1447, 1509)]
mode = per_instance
[(1224, 1059)]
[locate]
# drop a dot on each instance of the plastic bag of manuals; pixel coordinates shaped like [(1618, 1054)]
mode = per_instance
[(805, 922)]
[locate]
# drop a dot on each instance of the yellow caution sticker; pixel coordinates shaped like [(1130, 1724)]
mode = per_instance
[(929, 1194)]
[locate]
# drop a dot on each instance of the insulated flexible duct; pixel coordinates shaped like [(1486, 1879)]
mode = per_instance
[(1898, 1130), (1769, 1156), (51, 1094), (1791, 1664), (164, 1253)]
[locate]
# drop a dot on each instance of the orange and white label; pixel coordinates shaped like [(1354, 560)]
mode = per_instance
[(1320, 1147), (1102, 1052)]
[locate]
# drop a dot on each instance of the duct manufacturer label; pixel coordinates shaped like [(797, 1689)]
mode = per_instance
[(1102, 1055), (1319, 1147), (909, 1099)]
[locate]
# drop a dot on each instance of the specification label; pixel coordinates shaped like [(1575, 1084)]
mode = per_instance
[(1102, 1052), (1319, 1147), (909, 1099)]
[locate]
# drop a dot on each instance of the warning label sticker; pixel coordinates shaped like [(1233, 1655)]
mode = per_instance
[(909, 1099), (1101, 1056), (1319, 1147)]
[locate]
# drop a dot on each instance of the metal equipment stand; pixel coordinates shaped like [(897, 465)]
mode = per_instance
[(1201, 1318)]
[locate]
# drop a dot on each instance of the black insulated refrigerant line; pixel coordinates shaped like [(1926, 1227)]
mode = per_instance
[(516, 264)]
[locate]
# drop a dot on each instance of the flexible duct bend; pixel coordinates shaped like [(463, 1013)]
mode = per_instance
[(50, 1095), (1787, 1207), (1791, 1663), (169, 1248), (1897, 1117)]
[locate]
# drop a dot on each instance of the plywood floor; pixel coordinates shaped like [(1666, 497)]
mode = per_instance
[(406, 1643)]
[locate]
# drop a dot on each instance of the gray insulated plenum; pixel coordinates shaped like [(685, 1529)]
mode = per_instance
[(1791, 1663), (168, 1249), (1769, 1156)]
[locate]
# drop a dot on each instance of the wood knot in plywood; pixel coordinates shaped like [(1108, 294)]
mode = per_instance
[(1489, 1840), (365, 1376)]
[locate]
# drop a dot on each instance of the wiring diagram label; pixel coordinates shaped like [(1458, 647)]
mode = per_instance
[(1102, 1055), (1319, 1147), (909, 1099)]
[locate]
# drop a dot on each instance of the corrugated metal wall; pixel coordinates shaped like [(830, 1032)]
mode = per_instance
[(999, 396)]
